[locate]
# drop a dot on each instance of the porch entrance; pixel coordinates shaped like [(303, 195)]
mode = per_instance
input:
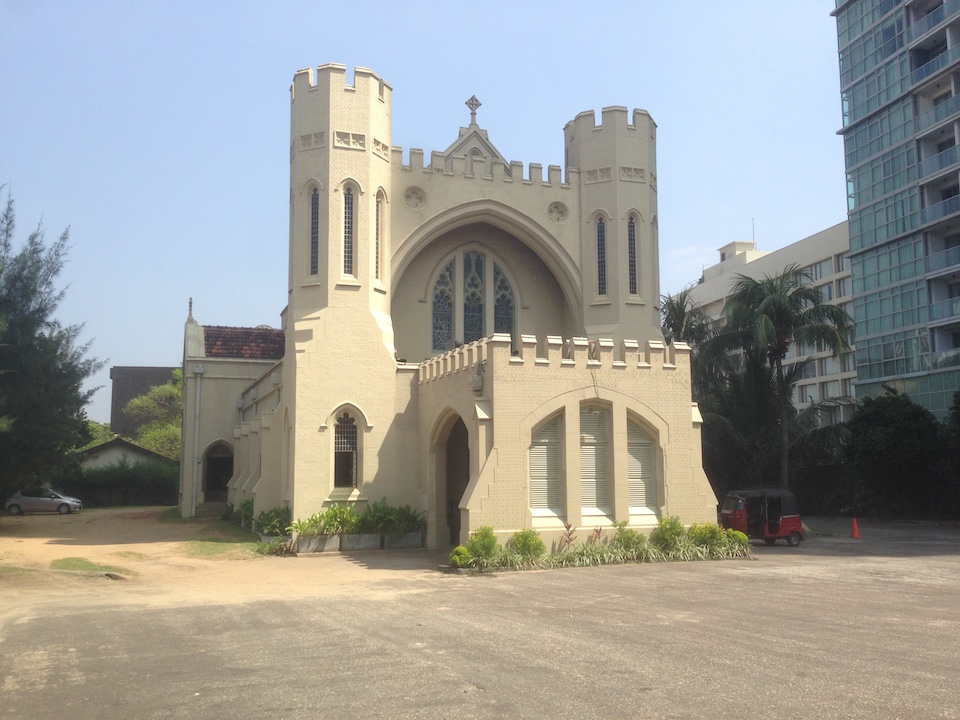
[(457, 452), (217, 471)]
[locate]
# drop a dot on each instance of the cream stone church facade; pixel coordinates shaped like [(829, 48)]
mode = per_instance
[(461, 334)]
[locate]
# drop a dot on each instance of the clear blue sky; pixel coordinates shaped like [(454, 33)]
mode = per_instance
[(159, 131)]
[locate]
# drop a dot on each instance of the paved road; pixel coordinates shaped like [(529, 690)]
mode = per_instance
[(838, 628)]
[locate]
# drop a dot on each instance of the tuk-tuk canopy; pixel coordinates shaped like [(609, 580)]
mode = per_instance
[(788, 499)]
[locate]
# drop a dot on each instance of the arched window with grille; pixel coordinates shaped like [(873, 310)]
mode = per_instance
[(632, 255), (346, 452)]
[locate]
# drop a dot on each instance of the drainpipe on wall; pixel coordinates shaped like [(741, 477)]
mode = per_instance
[(198, 374)]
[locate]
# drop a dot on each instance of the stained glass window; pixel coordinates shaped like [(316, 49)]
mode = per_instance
[(472, 296), (443, 292), (601, 257), (632, 256), (348, 232), (502, 302)]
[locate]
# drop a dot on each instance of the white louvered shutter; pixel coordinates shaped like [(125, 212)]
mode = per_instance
[(545, 468), (593, 459), (641, 477)]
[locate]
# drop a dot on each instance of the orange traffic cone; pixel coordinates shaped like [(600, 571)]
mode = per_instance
[(855, 531)]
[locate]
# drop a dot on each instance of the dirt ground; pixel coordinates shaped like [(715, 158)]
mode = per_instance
[(158, 566)]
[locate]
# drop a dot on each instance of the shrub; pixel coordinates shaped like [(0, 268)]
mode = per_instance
[(276, 546), (631, 542), (708, 535), (737, 542), (146, 482), (340, 519), (273, 522), (483, 543), (527, 544), (460, 557), (668, 536), (246, 514)]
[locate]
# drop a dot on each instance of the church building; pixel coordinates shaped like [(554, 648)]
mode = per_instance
[(462, 334)]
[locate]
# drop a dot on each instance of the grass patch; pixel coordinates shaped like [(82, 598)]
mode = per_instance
[(172, 514), (131, 555), (221, 547), (10, 570), (84, 565)]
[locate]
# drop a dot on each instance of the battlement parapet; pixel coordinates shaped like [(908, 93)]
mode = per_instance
[(613, 117), (333, 77), (482, 169), (497, 352)]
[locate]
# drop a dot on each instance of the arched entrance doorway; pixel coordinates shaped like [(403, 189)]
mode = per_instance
[(217, 471), (457, 470)]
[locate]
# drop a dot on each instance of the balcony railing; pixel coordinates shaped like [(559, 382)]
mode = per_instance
[(937, 114), (939, 161), (940, 210), (943, 259), (930, 21), (945, 309), (936, 65), (945, 359)]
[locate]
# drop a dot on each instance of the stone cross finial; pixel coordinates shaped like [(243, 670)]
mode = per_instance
[(473, 104)]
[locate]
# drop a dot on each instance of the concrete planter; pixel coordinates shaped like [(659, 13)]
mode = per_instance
[(400, 541), (317, 543), (360, 541)]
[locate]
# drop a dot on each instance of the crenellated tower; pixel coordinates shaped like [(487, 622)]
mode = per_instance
[(339, 190), (619, 255)]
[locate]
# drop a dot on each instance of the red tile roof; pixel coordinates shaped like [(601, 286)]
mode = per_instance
[(260, 343)]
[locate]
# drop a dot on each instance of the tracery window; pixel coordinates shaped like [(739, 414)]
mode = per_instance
[(345, 452), (472, 299), (348, 227), (473, 296), (601, 257), (314, 230), (503, 306), (632, 255)]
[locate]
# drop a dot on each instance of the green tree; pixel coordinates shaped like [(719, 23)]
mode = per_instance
[(774, 314), (160, 411), (99, 433), (681, 319), (42, 364), (894, 448)]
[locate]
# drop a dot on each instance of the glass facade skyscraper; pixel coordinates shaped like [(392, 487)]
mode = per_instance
[(900, 93)]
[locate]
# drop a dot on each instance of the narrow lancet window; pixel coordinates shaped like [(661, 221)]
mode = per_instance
[(601, 258), (345, 452), (314, 230), (348, 226), (632, 256), (378, 236)]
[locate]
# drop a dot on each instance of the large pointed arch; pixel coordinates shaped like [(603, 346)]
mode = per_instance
[(536, 237)]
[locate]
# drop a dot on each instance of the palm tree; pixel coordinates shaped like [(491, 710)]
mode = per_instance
[(682, 320), (774, 313)]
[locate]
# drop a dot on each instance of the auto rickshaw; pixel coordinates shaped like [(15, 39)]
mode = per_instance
[(763, 514)]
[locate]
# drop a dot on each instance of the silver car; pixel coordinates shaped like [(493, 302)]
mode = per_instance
[(42, 500)]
